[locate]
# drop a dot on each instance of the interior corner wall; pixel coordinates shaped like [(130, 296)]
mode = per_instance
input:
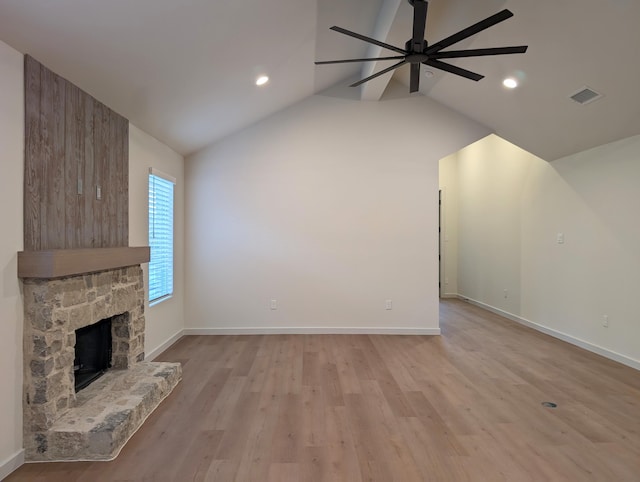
[(164, 320), (491, 174), (329, 207), (512, 209), (11, 311), (449, 226)]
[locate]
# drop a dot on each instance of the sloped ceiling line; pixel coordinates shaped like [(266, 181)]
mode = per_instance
[(184, 71)]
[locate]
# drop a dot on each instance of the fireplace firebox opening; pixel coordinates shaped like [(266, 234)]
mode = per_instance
[(93, 353)]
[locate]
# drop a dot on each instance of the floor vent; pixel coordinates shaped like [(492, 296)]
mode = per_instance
[(585, 95)]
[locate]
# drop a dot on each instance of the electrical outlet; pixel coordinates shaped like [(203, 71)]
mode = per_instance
[(274, 304), (388, 305), (605, 321), (506, 293)]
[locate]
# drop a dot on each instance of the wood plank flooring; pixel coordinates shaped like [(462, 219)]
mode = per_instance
[(465, 406)]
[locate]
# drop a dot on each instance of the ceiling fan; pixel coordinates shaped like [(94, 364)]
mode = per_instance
[(417, 51)]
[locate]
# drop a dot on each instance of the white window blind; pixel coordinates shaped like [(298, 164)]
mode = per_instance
[(161, 188)]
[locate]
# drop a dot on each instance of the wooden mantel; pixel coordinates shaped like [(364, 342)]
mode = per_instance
[(56, 263)]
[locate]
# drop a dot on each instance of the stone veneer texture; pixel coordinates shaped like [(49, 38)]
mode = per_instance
[(54, 309)]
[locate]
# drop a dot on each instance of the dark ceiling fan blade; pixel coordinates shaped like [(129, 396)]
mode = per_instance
[(414, 80), (368, 39), (452, 54), (323, 62), (378, 74), (419, 23), (469, 31), (453, 69)]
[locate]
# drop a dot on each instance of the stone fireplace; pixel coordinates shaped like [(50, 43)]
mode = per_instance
[(93, 424), (77, 268)]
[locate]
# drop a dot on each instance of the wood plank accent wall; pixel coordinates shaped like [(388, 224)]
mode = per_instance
[(73, 143)]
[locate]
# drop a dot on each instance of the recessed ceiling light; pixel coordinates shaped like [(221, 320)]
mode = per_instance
[(510, 83), (263, 79)]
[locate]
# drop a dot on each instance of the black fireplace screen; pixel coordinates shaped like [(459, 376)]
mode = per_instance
[(93, 353)]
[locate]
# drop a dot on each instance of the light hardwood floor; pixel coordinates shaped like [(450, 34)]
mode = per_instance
[(465, 406)]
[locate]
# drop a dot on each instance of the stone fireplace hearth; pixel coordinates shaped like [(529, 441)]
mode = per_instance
[(96, 422)]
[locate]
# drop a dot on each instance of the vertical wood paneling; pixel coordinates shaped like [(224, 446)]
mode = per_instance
[(71, 137), (86, 202), (123, 184), (32, 175), (111, 181), (56, 198), (71, 164), (73, 128), (46, 121), (98, 167), (103, 165)]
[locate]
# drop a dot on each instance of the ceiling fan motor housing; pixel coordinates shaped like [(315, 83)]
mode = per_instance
[(415, 46)]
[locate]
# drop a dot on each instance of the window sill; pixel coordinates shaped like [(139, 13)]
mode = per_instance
[(160, 300)]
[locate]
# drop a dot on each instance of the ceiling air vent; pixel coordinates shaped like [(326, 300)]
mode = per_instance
[(585, 95)]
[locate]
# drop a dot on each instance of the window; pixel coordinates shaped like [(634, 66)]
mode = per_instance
[(161, 188)]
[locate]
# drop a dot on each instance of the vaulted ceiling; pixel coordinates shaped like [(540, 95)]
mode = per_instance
[(184, 70)]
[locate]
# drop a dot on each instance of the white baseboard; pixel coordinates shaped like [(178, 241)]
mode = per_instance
[(612, 355), (156, 351), (312, 331), (12, 463)]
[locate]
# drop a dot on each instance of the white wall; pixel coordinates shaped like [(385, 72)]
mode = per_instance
[(490, 183), (329, 207), (164, 320), (449, 226), (11, 313), (511, 207)]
